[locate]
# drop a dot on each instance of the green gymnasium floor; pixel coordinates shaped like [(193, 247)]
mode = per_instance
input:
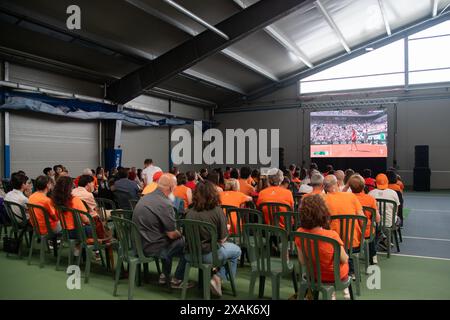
[(420, 271)]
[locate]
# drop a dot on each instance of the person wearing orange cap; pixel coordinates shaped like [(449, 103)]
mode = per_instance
[(154, 184), (383, 192)]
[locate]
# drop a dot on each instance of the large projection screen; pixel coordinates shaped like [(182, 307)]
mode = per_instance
[(358, 133)]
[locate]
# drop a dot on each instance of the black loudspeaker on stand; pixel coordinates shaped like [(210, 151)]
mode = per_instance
[(422, 172)]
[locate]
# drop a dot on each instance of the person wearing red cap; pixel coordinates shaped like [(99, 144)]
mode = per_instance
[(154, 184), (383, 192)]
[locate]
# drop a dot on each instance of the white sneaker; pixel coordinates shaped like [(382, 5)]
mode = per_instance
[(162, 279), (347, 294), (375, 260), (76, 252), (333, 295)]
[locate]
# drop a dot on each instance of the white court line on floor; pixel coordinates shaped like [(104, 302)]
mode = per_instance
[(412, 256), (420, 238)]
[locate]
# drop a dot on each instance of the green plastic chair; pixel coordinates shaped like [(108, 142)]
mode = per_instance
[(191, 229), (347, 227), (129, 251), (65, 240), (373, 229), (298, 200), (229, 212), (104, 204), (245, 215), (272, 207), (124, 214), (263, 264), (392, 230), (18, 228), (291, 223), (40, 237), (90, 244), (312, 277)]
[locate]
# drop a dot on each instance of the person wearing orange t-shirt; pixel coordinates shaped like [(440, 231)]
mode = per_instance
[(342, 203), (62, 196), (316, 184), (232, 197), (183, 192), (357, 184), (314, 219), (393, 185), (275, 193), (244, 186), (43, 185)]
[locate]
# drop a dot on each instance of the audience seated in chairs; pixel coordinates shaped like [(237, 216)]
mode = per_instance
[(206, 207), (125, 184), (357, 184), (275, 193), (20, 185), (314, 219), (342, 203), (383, 192), (214, 178), (156, 223), (43, 186), (62, 197), (183, 192), (316, 184), (244, 186)]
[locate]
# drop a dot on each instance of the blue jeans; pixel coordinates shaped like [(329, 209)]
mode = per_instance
[(227, 251), (73, 234), (174, 249)]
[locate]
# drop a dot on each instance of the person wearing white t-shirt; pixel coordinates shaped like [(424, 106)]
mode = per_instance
[(20, 185), (149, 171), (382, 192)]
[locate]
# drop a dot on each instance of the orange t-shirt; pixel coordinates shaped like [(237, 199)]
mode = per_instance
[(40, 199), (75, 182), (250, 181), (245, 187), (275, 194), (402, 186), (395, 187), (367, 201), (75, 203), (181, 192), (344, 203), (326, 254), (235, 199), (315, 191), (150, 188)]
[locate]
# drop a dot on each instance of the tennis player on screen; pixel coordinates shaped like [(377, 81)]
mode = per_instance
[(353, 140)]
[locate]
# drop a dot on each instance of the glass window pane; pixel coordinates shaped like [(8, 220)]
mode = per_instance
[(438, 30), (429, 76), (429, 53), (387, 59), (352, 83)]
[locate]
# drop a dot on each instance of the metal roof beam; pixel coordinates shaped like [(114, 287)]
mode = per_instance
[(435, 7), (385, 19), (333, 25), (340, 58), (228, 52), (182, 57), (283, 40)]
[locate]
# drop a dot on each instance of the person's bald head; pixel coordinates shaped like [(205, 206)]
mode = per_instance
[(340, 175), (166, 183), (330, 183)]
